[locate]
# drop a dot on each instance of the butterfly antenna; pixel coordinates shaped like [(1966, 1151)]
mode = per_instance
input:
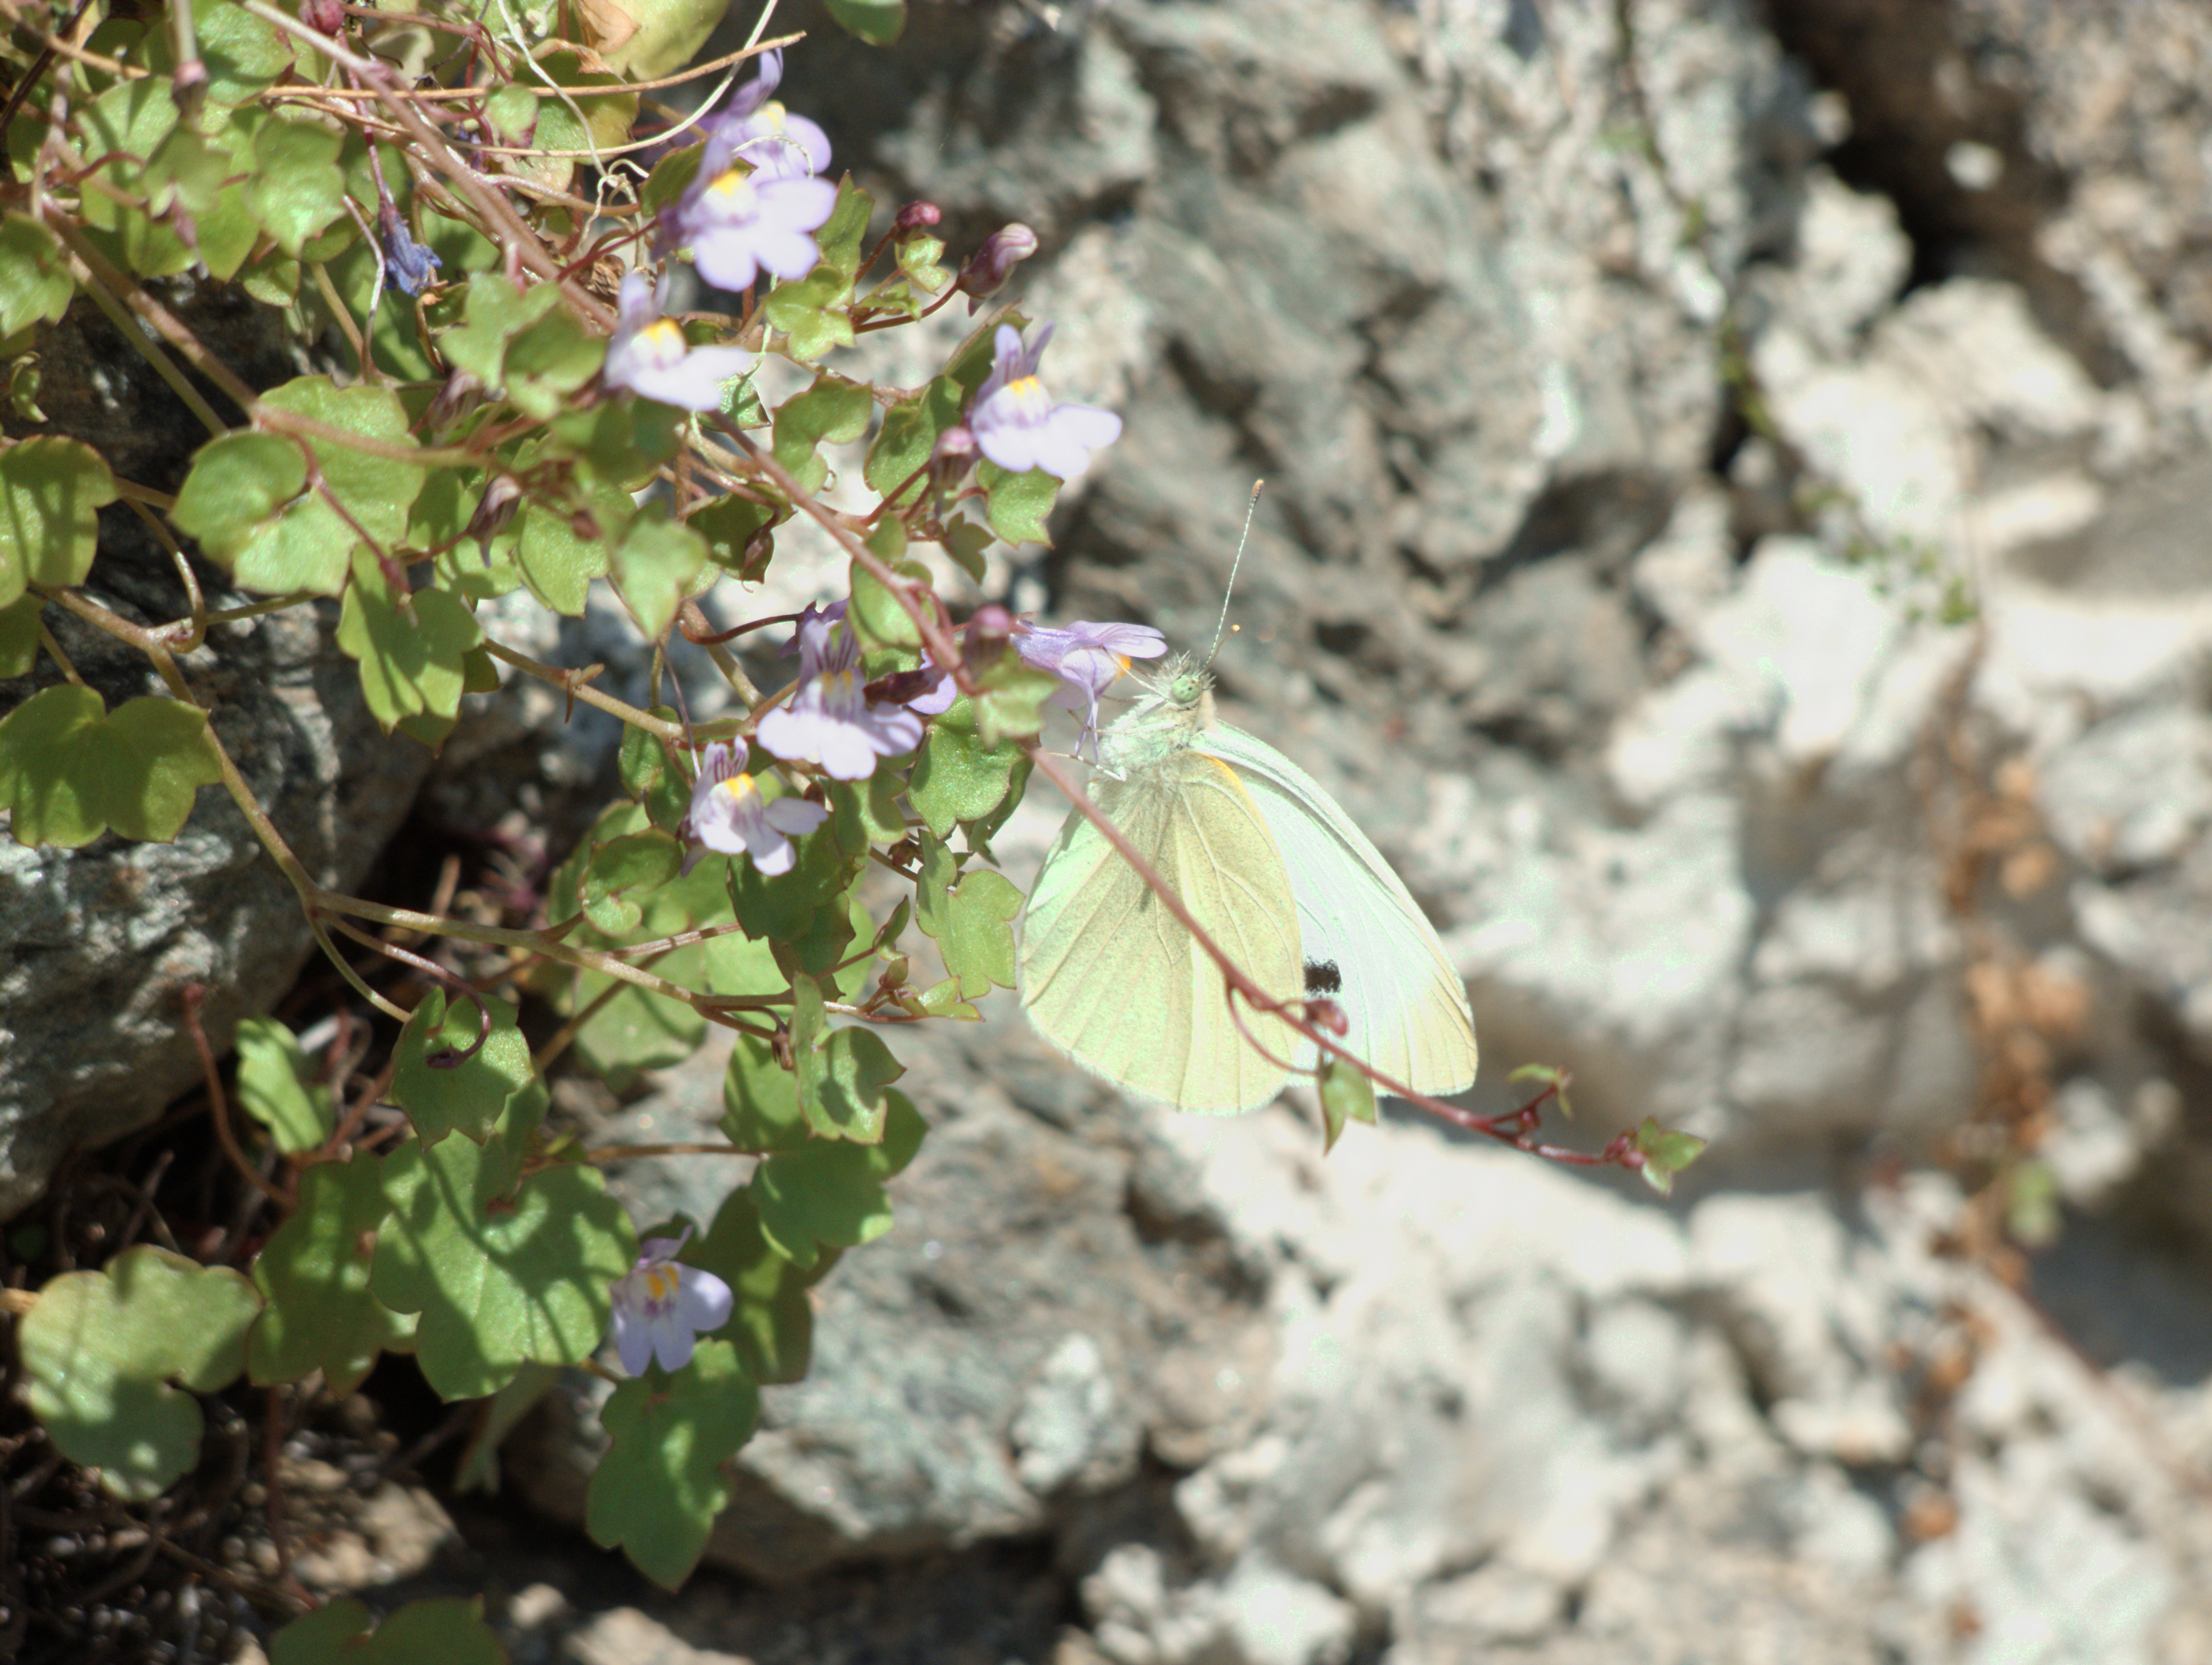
[(1243, 537)]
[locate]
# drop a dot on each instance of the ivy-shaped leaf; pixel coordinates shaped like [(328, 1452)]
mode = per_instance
[(732, 526), (957, 777), (297, 188), (34, 280), (1665, 1154), (71, 771), (815, 312), (410, 666), (651, 776), (660, 1484), (1012, 702), (970, 917), (876, 614), (446, 1082), (843, 1072), (760, 1101), (284, 535), (638, 863), (833, 411), (771, 1316), (504, 1270), (1018, 505), (654, 568), (830, 1194), (277, 1086), (100, 1350), (52, 491), (313, 1274), (242, 54), (909, 438), (604, 104), (558, 557), (449, 1630)]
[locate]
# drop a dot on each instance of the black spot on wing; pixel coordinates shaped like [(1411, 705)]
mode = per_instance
[(1322, 978)]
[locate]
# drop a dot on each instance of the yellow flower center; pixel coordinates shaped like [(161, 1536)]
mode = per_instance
[(740, 786), (660, 1281), (663, 333), (736, 186)]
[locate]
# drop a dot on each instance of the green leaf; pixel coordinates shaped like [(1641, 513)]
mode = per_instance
[(449, 1630), (909, 436), (549, 360), (641, 862), (957, 777), (1346, 1095), (617, 444), (242, 54), (965, 542), (557, 561), (970, 917), (833, 411), (1012, 705), (277, 1086), (100, 1350), (654, 569), (52, 491), (878, 22), (444, 1092), (34, 280), (280, 536), (864, 814), (298, 187), (1665, 1154), (409, 666), (814, 311), (801, 909), (70, 772), (876, 614), (830, 1194), (504, 1270), (760, 1101), (661, 1483), (731, 526), (313, 1277), (19, 637), (651, 776), (843, 1072), (1018, 505), (771, 1316)]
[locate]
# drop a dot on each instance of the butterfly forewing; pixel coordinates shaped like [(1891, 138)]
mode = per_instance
[(1113, 980), (1407, 1005)]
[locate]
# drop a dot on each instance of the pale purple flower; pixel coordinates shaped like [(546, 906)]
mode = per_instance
[(662, 1308), (754, 206), (729, 816), (1017, 424), (830, 721), (648, 354), (1087, 658), (778, 144)]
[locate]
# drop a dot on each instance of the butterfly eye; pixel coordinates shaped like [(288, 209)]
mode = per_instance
[(1184, 691)]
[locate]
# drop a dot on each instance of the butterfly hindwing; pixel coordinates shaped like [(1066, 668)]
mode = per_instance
[(1113, 980)]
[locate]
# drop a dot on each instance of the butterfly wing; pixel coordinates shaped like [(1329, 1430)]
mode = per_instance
[(1406, 1004), (1113, 979)]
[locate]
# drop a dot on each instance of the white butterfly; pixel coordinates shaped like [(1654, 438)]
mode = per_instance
[(1277, 874)]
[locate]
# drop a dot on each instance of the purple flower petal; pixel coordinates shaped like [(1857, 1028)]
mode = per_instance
[(1018, 426)]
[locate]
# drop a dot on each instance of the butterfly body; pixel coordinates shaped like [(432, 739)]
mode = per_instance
[(1280, 878)]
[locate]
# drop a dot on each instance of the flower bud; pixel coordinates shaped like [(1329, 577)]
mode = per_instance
[(990, 266), (989, 629), (917, 216), (501, 497)]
